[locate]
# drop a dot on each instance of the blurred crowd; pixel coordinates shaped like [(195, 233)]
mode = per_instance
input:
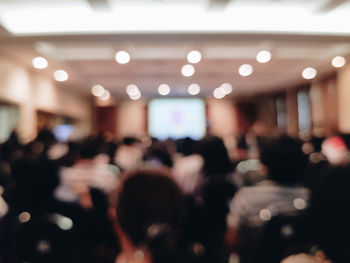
[(248, 199)]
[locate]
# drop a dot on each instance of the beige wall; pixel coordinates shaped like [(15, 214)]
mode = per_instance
[(131, 119), (222, 116), (343, 83), (33, 92)]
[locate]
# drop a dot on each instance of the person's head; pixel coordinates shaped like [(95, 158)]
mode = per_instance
[(46, 137), (159, 153), (35, 178), (216, 159), (150, 212), (91, 147), (335, 150), (284, 159), (330, 213), (186, 146), (130, 140)]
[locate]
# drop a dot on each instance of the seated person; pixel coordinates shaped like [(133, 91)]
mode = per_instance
[(327, 219), (280, 194), (149, 218)]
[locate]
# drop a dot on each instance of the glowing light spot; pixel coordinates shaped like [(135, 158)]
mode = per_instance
[(263, 56), (226, 88), (309, 73), (97, 90), (43, 246), (24, 217), (40, 63), (163, 89), (122, 57), (106, 96), (63, 222), (194, 89), (135, 96), (187, 70), (132, 90), (265, 214), (287, 231), (60, 75), (218, 93), (245, 70), (299, 203), (338, 61), (194, 56)]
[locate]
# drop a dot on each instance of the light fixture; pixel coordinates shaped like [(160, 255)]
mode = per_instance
[(60, 75), (226, 88), (194, 56), (309, 73), (187, 70), (338, 61), (194, 89), (263, 56), (39, 63), (163, 89), (122, 57), (136, 95), (218, 93), (97, 90), (245, 70), (132, 90), (106, 96)]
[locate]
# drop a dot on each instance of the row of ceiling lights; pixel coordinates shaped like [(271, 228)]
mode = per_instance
[(244, 70), (310, 73), (41, 63), (188, 70)]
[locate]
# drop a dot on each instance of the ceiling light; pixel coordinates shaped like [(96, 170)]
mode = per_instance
[(194, 56), (218, 93), (163, 89), (39, 63), (60, 75), (338, 62), (194, 89), (135, 96), (187, 70), (226, 88), (132, 90), (245, 70), (97, 90), (106, 95), (263, 56), (122, 57), (309, 73)]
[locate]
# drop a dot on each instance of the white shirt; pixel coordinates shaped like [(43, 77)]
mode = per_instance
[(252, 206)]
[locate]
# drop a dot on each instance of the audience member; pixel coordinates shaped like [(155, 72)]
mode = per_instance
[(150, 214), (253, 206), (57, 201)]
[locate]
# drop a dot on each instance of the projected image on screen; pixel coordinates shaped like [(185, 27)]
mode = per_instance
[(176, 118)]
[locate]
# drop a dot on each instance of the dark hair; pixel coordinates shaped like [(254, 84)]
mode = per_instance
[(330, 213), (130, 140), (284, 159), (150, 210), (186, 146), (216, 159), (35, 180), (159, 152), (91, 147)]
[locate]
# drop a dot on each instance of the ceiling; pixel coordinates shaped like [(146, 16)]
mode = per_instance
[(82, 38)]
